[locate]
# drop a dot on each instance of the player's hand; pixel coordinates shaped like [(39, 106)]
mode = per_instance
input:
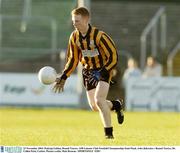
[(59, 85), (94, 77), (103, 73)]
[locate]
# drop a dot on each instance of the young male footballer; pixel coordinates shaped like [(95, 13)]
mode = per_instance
[(98, 55)]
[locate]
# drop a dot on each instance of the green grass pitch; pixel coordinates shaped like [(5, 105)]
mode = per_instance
[(68, 127)]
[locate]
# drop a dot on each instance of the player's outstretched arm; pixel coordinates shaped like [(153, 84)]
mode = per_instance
[(72, 62)]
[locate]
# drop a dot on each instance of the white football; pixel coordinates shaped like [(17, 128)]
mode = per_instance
[(47, 75)]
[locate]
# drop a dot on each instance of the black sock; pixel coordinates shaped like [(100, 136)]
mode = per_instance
[(116, 105), (108, 131)]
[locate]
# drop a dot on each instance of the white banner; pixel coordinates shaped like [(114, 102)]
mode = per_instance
[(154, 94), (25, 89)]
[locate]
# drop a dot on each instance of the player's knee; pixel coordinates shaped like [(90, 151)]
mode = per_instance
[(99, 101), (94, 108), (93, 105)]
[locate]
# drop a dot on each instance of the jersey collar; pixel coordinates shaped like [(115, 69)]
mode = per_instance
[(88, 32)]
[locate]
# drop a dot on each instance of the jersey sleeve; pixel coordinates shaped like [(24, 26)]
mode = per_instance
[(72, 56), (108, 46)]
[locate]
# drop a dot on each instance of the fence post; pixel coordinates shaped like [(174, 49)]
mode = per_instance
[(25, 15), (53, 39), (170, 59), (143, 52), (154, 40), (0, 36), (163, 32)]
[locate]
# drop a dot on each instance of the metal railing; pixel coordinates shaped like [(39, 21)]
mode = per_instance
[(170, 58), (152, 28), (26, 13)]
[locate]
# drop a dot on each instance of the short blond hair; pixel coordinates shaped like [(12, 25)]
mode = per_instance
[(81, 11)]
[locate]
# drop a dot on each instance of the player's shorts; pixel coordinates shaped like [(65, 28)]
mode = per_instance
[(92, 77)]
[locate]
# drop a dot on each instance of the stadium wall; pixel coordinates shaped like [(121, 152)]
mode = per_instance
[(24, 89), (153, 94)]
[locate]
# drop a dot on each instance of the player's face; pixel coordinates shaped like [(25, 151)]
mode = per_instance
[(79, 22)]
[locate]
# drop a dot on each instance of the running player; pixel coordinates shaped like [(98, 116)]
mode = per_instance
[(98, 55)]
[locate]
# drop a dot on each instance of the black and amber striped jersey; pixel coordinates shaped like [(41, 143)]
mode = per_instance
[(95, 50)]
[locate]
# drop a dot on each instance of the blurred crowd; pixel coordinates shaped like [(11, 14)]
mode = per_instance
[(152, 69)]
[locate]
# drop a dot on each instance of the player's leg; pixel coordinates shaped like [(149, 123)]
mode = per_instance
[(97, 95), (91, 100), (118, 108), (114, 105), (96, 106), (109, 104), (103, 107)]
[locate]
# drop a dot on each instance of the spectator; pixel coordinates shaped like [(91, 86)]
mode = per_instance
[(153, 68), (131, 71)]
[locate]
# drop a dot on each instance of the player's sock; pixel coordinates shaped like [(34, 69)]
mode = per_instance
[(108, 132), (118, 107)]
